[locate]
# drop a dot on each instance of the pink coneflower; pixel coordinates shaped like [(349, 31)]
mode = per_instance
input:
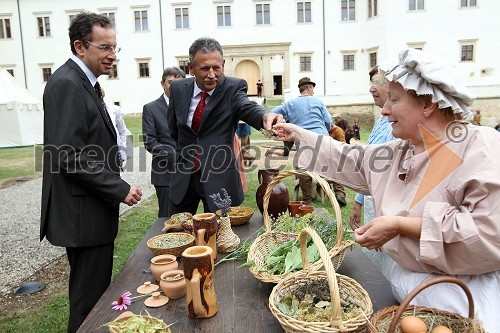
[(122, 302)]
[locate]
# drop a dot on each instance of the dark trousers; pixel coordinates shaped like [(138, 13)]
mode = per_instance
[(194, 194), (89, 277), (162, 192)]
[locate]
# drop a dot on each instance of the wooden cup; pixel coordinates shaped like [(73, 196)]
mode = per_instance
[(205, 231), (293, 207), (198, 264), (304, 210)]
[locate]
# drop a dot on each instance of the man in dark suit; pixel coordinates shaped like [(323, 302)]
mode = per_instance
[(157, 140), (202, 117), (82, 188)]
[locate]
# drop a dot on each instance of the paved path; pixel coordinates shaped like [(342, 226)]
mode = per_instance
[(21, 252)]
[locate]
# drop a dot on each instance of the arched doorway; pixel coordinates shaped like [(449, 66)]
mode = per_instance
[(250, 72)]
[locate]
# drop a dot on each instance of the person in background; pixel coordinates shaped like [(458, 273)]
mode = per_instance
[(243, 130), (158, 142), (381, 133), (115, 113), (337, 133), (259, 88), (308, 112), (202, 117), (497, 127), (435, 195), (355, 129), (81, 187), (342, 123), (476, 119)]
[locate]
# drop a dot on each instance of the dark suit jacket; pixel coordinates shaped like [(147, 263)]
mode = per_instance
[(157, 141), (81, 188), (227, 105)]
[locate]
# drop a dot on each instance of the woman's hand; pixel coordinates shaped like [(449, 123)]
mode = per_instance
[(384, 228), (287, 132)]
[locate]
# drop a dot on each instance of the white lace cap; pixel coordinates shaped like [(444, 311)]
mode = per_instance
[(428, 75)]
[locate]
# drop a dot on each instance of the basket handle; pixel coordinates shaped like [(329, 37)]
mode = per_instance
[(336, 320), (324, 185), (414, 292)]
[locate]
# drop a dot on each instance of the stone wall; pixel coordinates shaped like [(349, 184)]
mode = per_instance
[(368, 113)]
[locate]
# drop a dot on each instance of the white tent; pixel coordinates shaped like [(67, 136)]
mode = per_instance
[(21, 114)]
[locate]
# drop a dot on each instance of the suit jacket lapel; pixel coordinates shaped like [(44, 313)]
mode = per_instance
[(186, 101), (88, 86), (162, 106)]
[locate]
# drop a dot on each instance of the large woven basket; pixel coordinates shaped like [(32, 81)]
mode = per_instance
[(341, 288), (177, 250), (261, 247), (387, 319)]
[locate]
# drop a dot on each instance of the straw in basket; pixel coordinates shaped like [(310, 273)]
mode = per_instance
[(261, 247), (387, 319), (341, 288)]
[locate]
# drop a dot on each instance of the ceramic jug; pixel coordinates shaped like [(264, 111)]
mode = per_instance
[(201, 301), (205, 231), (162, 263), (278, 201)]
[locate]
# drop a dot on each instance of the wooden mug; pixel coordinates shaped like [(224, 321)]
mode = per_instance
[(293, 207), (205, 231), (198, 265)]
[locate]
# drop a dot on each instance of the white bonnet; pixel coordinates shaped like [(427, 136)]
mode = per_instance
[(428, 75)]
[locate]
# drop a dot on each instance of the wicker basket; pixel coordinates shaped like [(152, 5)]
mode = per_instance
[(176, 251), (341, 288), (387, 319), (260, 248), (243, 214)]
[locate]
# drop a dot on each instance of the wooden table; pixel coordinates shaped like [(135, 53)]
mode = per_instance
[(242, 299)]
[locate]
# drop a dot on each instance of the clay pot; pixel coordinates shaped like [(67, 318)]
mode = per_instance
[(205, 231), (198, 265), (278, 201), (304, 210), (162, 263), (293, 207), (173, 288)]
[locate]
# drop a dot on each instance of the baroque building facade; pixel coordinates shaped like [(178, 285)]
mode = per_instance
[(334, 42)]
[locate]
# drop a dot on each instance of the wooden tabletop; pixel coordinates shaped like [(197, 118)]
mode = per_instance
[(242, 299)]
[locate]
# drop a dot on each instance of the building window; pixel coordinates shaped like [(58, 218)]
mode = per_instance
[(303, 11), (71, 18), (467, 53), (182, 18), (263, 12), (305, 63), (416, 5), (46, 72), (141, 20), (348, 62), (373, 59), (184, 65), (143, 69), (43, 26), (223, 16), (468, 3), (5, 28), (111, 17), (11, 71), (114, 72), (348, 10), (372, 8)]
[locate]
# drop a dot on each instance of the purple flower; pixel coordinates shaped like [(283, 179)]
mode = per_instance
[(122, 302)]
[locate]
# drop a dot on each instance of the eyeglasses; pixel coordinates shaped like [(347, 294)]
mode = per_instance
[(105, 48)]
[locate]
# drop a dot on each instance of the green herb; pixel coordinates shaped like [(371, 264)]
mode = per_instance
[(166, 242), (139, 324), (241, 253)]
